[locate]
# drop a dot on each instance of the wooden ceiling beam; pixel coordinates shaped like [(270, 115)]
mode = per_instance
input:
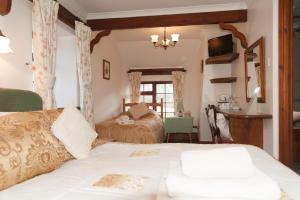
[(97, 39), (233, 16), (236, 33), (157, 71)]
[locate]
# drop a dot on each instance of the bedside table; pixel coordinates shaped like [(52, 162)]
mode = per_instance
[(175, 125)]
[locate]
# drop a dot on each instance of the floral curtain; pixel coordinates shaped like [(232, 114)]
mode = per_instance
[(84, 68), (135, 82), (178, 89), (44, 41)]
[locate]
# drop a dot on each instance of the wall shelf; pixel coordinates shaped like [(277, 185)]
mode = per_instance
[(223, 80), (223, 59)]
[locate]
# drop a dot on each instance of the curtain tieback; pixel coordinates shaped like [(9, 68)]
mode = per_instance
[(51, 82)]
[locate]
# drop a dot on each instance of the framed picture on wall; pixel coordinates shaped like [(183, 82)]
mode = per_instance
[(106, 69)]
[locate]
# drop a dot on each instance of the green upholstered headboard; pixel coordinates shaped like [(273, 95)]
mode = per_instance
[(13, 100)]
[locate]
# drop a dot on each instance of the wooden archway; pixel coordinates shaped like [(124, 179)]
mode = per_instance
[(5, 6)]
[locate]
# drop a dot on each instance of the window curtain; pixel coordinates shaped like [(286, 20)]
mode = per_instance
[(135, 82), (178, 89), (84, 68), (44, 41)]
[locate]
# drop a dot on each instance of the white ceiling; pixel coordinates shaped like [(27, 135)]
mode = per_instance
[(90, 9), (95, 6)]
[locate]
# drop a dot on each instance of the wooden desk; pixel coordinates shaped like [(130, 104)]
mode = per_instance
[(246, 128)]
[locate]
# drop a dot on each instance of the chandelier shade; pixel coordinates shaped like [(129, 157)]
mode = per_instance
[(165, 42)]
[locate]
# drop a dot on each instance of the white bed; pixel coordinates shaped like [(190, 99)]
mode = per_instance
[(75, 179)]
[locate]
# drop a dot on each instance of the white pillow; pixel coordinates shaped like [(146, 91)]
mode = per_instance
[(74, 132), (139, 110)]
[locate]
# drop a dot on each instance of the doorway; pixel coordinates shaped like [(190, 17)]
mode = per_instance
[(296, 86), (289, 100)]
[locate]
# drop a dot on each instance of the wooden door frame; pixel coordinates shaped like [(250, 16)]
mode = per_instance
[(286, 82)]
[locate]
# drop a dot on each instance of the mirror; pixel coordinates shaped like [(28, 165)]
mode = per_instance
[(255, 70)]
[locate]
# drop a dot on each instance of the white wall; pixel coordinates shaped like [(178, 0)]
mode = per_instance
[(66, 88), (260, 23), (14, 73), (238, 70), (17, 27), (188, 54), (108, 94), (211, 92)]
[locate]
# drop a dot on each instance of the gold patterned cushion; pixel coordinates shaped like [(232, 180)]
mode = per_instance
[(28, 149), (48, 116), (139, 110), (98, 141), (28, 146)]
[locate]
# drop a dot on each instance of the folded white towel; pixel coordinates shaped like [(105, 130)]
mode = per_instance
[(257, 187), (231, 162), (124, 120)]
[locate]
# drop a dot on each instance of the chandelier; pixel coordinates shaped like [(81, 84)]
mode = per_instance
[(165, 42)]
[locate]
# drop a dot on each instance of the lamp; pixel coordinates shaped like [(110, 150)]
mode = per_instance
[(4, 44), (165, 42)]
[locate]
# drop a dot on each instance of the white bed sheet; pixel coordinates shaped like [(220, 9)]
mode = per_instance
[(75, 179)]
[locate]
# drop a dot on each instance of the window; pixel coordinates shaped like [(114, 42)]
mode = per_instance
[(152, 92)]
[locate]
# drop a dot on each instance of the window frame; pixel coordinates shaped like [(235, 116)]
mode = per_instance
[(153, 93)]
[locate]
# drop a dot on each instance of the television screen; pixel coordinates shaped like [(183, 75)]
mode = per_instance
[(220, 45)]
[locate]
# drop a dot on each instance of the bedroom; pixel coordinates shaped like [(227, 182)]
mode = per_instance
[(188, 53)]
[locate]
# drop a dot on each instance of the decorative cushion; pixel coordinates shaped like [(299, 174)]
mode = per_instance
[(28, 149), (74, 132), (98, 141), (46, 119), (48, 116), (139, 110)]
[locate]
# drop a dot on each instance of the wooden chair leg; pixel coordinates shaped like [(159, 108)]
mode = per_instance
[(168, 137), (190, 136)]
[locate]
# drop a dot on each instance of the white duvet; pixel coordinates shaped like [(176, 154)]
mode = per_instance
[(75, 179)]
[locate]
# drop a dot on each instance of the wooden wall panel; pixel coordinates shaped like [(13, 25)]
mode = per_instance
[(285, 82)]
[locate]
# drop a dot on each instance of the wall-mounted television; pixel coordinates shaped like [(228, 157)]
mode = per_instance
[(220, 45)]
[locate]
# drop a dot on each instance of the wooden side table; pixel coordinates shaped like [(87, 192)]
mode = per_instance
[(175, 125)]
